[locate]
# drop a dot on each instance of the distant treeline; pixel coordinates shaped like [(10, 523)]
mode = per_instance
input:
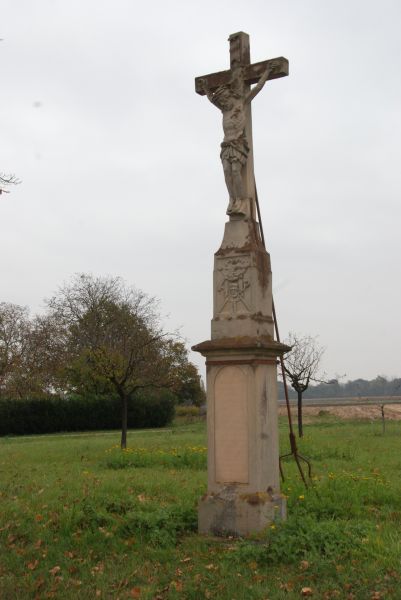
[(381, 386)]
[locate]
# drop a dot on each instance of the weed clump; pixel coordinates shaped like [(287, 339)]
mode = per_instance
[(187, 457), (303, 537), (160, 527)]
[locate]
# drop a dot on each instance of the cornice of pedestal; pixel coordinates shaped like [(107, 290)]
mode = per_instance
[(241, 350)]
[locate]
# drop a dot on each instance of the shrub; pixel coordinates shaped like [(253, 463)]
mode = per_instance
[(76, 413), (187, 411)]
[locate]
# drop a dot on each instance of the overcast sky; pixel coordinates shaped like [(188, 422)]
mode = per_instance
[(119, 159)]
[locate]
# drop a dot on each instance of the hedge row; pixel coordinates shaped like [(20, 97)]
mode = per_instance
[(51, 415), (187, 411)]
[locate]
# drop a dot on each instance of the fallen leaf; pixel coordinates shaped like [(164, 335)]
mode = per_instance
[(306, 591), (32, 565), (178, 585), (99, 568), (130, 542), (303, 565), (55, 570), (287, 587), (135, 592), (39, 583)]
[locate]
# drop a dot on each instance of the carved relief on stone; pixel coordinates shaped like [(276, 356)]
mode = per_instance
[(233, 286)]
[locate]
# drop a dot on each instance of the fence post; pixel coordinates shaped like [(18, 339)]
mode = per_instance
[(383, 420)]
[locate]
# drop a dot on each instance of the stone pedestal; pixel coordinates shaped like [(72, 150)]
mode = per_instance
[(241, 357)]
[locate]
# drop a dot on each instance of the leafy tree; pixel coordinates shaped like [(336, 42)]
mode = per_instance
[(14, 325), (190, 389), (301, 365), (45, 358), (114, 340)]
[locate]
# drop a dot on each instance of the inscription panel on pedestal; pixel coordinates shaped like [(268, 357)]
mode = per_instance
[(231, 426)]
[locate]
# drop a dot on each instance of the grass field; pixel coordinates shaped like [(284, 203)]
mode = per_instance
[(80, 519)]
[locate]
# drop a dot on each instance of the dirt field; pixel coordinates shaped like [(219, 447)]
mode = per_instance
[(391, 412)]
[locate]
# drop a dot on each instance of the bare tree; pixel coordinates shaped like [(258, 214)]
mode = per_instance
[(115, 339), (6, 180), (302, 365)]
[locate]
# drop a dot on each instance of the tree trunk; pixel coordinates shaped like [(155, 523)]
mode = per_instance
[(124, 421), (300, 429)]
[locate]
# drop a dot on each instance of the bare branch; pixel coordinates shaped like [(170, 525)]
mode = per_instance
[(6, 180), (301, 365)]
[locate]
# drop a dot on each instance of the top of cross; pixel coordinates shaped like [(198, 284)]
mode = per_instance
[(240, 56)]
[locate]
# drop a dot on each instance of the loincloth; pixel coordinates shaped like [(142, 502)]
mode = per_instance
[(236, 150)]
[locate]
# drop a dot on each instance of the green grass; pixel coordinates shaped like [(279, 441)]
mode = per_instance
[(80, 519)]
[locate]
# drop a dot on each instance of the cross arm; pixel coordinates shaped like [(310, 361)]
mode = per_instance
[(252, 74)]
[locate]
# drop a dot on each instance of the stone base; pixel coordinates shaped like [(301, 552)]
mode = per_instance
[(230, 513)]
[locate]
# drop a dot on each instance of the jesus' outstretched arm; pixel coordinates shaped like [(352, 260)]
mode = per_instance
[(205, 87), (255, 90)]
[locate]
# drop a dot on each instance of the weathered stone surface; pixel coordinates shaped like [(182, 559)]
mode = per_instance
[(242, 284), (231, 423), (231, 512), (241, 357), (231, 92), (257, 386), (252, 74)]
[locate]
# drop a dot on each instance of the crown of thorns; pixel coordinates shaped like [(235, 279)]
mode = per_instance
[(222, 89)]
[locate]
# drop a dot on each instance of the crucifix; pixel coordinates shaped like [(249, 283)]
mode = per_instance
[(232, 93), (243, 494)]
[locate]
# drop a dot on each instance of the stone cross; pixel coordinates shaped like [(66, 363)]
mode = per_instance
[(213, 85), (243, 494)]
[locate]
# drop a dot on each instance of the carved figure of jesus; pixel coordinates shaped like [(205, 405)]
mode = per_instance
[(232, 100)]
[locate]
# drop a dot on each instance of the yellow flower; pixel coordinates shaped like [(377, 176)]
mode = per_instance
[(301, 497)]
